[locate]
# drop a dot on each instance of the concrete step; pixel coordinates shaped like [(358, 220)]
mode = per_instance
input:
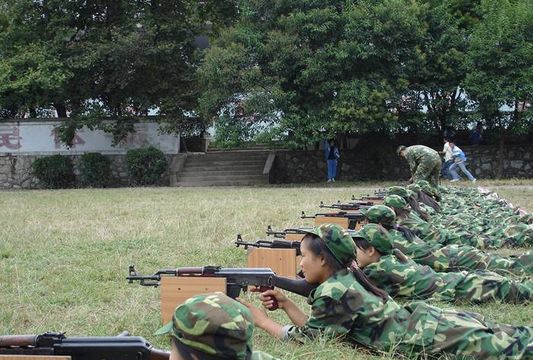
[(199, 164), (221, 183), (217, 177), (225, 168)]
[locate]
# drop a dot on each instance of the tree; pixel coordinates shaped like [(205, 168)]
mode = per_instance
[(103, 59), (500, 76), (314, 68)]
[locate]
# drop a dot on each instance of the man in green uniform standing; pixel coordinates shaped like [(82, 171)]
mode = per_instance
[(424, 163)]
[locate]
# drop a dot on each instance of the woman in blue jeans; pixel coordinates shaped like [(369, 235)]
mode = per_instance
[(331, 152), (459, 161)]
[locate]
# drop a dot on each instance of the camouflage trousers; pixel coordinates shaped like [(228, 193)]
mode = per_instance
[(480, 287), (465, 334), (463, 257), (428, 170)]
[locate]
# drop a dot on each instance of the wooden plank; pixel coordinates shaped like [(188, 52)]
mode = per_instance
[(33, 357), (175, 290), (281, 261), (342, 221), (294, 237)]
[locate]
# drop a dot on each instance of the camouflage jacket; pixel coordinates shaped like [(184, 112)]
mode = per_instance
[(417, 154), (342, 308)]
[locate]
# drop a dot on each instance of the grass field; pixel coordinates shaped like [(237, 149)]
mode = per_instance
[(64, 254)]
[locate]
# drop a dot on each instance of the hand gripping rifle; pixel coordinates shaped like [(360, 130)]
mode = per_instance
[(237, 279), (270, 244), (121, 347)]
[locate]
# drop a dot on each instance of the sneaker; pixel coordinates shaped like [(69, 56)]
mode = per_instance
[(332, 180), (474, 180), (329, 180), (454, 180)]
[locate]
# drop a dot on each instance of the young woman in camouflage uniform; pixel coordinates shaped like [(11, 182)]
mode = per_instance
[(343, 307), (439, 257), (401, 277)]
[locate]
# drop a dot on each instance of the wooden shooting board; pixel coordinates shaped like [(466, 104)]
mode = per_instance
[(294, 237), (281, 261), (33, 357), (175, 290), (342, 221)]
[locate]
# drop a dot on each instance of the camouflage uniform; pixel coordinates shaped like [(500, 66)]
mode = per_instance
[(342, 308), (424, 163), (401, 277), (444, 258), (213, 326)]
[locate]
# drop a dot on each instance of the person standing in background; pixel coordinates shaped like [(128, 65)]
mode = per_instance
[(476, 135), (459, 161), (332, 154)]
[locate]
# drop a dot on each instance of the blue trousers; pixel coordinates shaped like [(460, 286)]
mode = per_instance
[(463, 168), (332, 169)]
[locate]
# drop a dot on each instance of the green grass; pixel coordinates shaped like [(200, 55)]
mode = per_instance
[(64, 254)]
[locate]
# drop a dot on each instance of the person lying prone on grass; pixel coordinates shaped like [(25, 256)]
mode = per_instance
[(346, 305)]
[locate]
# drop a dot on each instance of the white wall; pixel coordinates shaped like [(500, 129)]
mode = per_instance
[(41, 137)]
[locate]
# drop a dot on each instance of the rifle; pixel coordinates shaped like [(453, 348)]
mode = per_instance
[(348, 206), (282, 233), (121, 347), (274, 244), (353, 217), (374, 199), (237, 279)]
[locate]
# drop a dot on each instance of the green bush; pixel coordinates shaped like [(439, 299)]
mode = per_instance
[(146, 166), (55, 172), (95, 170)]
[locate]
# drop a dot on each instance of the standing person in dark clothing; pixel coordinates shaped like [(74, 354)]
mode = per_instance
[(332, 154)]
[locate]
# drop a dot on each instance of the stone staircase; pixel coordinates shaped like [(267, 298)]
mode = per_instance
[(224, 168)]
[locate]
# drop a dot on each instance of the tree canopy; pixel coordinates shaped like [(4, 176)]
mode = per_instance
[(302, 69)]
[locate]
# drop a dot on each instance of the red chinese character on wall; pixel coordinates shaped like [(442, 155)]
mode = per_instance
[(10, 138)]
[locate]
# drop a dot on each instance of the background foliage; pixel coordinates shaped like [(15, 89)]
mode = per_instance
[(297, 70)]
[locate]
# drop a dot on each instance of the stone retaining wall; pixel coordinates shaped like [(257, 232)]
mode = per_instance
[(16, 172), (361, 163), (379, 163)]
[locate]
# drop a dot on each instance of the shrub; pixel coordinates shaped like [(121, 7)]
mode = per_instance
[(95, 170), (146, 166), (55, 172)]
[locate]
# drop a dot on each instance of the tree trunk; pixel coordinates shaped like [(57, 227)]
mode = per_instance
[(501, 154), (61, 110)]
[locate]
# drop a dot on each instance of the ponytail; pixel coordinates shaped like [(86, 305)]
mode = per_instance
[(416, 207)]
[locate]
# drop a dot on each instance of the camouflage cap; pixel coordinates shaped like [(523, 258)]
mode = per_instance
[(376, 236), (338, 241), (381, 214), (395, 201), (398, 190), (426, 187), (399, 149), (212, 324), (414, 188)]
